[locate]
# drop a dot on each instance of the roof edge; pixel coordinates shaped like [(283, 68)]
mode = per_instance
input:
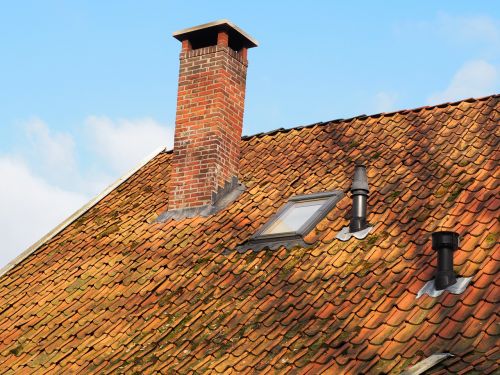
[(14, 262), (272, 132), (374, 115)]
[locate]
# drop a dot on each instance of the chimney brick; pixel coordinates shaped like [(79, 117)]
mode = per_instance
[(209, 118)]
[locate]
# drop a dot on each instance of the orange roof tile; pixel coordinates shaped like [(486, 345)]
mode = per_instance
[(115, 291)]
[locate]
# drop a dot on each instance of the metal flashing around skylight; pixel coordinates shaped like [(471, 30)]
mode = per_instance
[(430, 288), (288, 226), (272, 245), (426, 364)]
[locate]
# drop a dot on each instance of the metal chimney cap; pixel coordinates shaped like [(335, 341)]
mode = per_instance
[(445, 239), (360, 180), (241, 37)]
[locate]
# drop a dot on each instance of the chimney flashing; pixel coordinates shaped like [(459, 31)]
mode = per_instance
[(220, 200)]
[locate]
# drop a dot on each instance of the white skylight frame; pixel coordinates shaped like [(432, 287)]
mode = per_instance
[(331, 199)]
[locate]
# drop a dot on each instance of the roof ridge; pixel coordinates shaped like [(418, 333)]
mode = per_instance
[(374, 115)]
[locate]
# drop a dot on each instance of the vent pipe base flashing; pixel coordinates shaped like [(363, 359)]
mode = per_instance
[(345, 234), (427, 363), (458, 288)]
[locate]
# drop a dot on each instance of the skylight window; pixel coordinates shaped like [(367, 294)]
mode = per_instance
[(296, 219)]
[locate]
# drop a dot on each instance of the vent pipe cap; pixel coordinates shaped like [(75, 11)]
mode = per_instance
[(360, 180), (445, 239)]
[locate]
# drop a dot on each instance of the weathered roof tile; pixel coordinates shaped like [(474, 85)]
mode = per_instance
[(117, 292)]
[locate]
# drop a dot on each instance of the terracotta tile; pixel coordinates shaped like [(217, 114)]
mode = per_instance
[(143, 291)]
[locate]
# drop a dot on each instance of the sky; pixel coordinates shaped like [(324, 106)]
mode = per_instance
[(88, 88)]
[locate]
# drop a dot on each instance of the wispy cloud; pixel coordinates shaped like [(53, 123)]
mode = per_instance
[(52, 152), (475, 36), (44, 183), (474, 79), (472, 29), (55, 148), (30, 207), (122, 143), (385, 101), (475, 30)]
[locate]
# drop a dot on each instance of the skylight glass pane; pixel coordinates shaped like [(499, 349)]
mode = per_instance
[(294, 217)]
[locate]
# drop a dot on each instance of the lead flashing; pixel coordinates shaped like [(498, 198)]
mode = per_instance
[(223, 198), (271, 245), (430, 289), (427, 363), (345, 234)]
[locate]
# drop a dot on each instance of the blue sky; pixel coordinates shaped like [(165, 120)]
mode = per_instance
[(89, 87)]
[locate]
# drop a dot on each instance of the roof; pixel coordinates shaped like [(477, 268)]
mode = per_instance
[(116, 291)]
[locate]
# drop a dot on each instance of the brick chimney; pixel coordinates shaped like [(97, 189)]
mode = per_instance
[(209, 118)]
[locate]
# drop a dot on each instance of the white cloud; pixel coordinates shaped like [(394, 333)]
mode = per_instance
[(474, 79), (53, 153), (474, 31), (30, 207), (45, 183), (385, 101), (123, 143), (476, 28), (56, 149)]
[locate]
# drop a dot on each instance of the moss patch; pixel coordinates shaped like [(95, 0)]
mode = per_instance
[(179, 327), (217, 321), (295, 257), (18, 349), (440, 191), (99, 220), (371, 240), (354, 144), (108, 231), (392, 196), (77, 284), (458, 189), (491, 239), (463, 163)]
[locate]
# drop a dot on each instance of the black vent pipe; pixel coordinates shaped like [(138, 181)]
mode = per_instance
[(445, 243), (359, 191)]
